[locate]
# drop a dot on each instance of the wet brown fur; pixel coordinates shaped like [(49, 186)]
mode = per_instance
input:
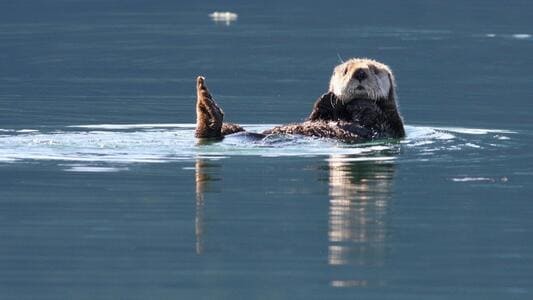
[(209, 115)]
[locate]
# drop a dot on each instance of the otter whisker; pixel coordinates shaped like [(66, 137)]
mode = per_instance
[(340, 58)]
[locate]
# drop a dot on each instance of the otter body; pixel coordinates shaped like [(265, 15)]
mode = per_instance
[(359, 106)]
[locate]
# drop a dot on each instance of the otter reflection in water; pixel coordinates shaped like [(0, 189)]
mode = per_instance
[(359, 199), (203, 175)]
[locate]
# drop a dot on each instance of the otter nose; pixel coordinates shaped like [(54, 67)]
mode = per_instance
[(360, 74)]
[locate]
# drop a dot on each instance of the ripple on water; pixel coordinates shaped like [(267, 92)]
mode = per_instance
[(160, 143)]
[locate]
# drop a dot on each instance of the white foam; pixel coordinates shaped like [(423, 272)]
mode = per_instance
[(421, 143), (425, 132), (471, 145), (502, 137)]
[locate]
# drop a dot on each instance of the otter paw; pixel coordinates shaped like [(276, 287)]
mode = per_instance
[(209, 116)]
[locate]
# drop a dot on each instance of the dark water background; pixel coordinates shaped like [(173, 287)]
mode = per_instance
[(436, 217)]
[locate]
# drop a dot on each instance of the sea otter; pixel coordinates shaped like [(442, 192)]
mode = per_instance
[(359, 106)]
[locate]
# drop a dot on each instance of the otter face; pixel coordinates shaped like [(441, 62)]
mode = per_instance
[(360, 78)]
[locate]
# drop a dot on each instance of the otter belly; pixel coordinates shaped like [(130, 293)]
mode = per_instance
[(344, 131), (348, 132)]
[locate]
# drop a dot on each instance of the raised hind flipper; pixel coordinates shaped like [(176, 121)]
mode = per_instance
[(209, 116)]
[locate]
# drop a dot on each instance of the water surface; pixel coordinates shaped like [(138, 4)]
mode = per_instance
[(105, 194)]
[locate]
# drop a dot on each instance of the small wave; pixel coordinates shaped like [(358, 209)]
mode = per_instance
[(94, 169), (467, 179), (132, 126), (502, 137), (516, 36), (474, 130), (480, 179)]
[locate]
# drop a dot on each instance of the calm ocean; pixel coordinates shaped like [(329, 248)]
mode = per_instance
[(104, 193)]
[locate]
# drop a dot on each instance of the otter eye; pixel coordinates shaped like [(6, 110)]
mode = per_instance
[(345, 71)]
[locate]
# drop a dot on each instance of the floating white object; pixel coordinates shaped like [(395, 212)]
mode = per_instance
[(521, 36), (223, 16)]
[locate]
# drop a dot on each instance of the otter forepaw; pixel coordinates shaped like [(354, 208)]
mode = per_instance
[(364, 112), (326, 108)]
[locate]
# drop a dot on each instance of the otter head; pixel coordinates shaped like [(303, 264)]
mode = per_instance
[(360, 78)]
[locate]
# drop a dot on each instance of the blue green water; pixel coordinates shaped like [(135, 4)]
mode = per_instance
[(105, 194)]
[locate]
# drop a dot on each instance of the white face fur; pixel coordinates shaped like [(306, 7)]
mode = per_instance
[(362, 79)]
